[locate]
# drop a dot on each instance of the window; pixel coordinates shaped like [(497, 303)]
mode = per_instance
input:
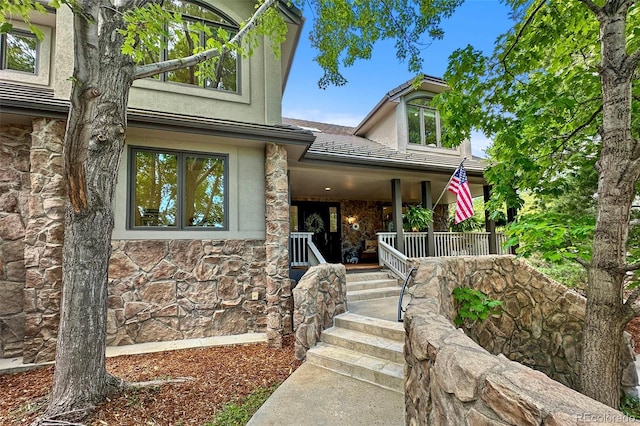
[(177, 190), (19, 51), (423, 122), (184, 37)]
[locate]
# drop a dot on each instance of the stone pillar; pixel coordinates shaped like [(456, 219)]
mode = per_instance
[(277, 245), (15, 143), (43, 241)]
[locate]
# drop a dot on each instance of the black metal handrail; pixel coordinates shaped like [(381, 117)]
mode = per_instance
[(404, 285)]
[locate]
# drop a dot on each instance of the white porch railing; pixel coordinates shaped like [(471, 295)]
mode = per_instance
[(302, 250), (393, 259), (446, 243)]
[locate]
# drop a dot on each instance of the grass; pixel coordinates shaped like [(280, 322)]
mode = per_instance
[(238, 414), (630, 406)]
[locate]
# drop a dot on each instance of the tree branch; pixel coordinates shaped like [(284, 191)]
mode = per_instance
[(629, 268), (149, 70), (520, 32), (582, 262), (632, 61), (631, 310), (592, 6), (575, 131)]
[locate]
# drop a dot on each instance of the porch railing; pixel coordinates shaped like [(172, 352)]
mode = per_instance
[(302, 250), (446, 243), (397, 262)]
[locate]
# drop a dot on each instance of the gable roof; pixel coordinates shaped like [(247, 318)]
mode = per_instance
[(339, 144)]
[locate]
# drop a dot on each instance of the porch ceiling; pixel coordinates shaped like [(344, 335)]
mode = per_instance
[(309, 180)]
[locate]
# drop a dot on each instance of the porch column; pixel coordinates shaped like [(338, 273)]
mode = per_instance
[(489, 223), (427, 203), (396, 207)]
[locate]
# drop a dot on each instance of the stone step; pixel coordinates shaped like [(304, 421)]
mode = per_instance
[(368, 344), (374, 326), (374, 293), (384, 373), (369, 284), (366, 276)]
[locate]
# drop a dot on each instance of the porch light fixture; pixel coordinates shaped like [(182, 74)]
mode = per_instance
[(327, 188), (351, 220)]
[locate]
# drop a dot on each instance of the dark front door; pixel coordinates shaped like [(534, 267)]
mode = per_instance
[(323, 219)]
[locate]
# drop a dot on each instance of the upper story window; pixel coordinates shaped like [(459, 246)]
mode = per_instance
[(186, 36), (19, 51), (177, 190), (423, 122)]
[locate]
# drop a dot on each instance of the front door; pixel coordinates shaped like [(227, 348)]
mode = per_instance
[(323, 219)]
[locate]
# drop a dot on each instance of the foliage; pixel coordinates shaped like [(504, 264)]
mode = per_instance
[(346, 30), (417, 218), (630, 406), (566, 272), (473, 305), (238, 414)]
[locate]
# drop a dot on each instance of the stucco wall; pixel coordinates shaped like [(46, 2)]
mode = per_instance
[(246, 187), (15, 144), (451, 379)]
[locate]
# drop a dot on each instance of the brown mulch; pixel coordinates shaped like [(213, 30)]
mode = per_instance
[(222, 374), (633, 328)]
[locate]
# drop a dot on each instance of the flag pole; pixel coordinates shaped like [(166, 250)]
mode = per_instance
[(447, 185)]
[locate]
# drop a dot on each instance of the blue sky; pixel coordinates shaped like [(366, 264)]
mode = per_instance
[(476, 22)]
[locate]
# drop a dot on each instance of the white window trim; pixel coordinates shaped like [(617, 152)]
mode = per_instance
[(43, 59)]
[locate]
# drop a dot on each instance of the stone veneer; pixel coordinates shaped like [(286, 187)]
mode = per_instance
[(278, 285), (15, 145), (163, 290), (320, 295), (158, 290), (451, 379), (43, 240), (368, 215)]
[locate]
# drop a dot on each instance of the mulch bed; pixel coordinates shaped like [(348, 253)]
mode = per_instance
[(221, 374)]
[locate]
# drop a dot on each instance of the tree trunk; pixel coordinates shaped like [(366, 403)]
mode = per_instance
[(94, 142), (617, 174)]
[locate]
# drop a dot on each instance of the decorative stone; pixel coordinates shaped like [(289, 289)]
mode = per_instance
[(146, 253), (12, 298), (160, 293)]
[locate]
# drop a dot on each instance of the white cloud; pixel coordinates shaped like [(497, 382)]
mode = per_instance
[(340, 118)]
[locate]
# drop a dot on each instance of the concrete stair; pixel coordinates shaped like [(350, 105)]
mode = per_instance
[(371, 285), (368, 349)]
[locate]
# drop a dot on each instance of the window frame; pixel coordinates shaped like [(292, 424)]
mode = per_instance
[(231, 28), (3, 51), (43, 58), (421, 108), (131, 209)]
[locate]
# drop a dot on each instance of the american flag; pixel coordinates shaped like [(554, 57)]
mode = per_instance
[(460, 186)]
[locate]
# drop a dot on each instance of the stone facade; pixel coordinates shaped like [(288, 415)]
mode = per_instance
[(43, 240), (15, 146), (163, 290), (368, 214), (320, 295), (451, 379), (158, 289), (278, 285)]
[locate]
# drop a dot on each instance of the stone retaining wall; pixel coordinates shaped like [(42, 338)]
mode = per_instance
[(320, 295), (451, 379), (15, 145)]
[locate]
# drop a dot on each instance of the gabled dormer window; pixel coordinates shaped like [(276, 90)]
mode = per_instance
[(19, 50), (186, 36), (423, 122)]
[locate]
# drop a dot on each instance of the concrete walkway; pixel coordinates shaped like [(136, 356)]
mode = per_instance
[(316, 396), (15, 365)]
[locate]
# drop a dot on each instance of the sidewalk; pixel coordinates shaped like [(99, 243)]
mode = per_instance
[(316, 396)]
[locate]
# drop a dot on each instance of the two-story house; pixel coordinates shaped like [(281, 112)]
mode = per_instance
[(212, 187)]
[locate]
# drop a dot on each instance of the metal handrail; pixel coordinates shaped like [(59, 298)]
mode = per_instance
[(404, 285)]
